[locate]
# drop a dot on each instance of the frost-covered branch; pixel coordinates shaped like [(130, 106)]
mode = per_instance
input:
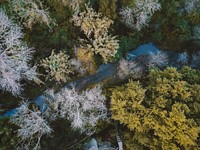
[(32, 126), (159, 59), (183, 58), (127, 68)]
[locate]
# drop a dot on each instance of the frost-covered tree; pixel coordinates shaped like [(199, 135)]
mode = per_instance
[(139, 13), (14, 56), (30, 12), (95, 27), (83, 109), (138, 67), (58, 66), (32, 126)]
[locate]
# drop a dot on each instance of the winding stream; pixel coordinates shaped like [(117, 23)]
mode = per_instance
[(109, 71)]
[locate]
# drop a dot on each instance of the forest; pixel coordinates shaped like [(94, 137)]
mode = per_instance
[(100, 74)]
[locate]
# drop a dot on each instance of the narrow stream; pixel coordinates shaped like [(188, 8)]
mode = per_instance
[(109, 71)]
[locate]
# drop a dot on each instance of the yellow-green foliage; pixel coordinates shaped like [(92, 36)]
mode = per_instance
[(58, 66), (163, 115), (108, 8), (127, 100)]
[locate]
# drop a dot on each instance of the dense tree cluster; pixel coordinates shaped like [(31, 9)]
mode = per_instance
[(162, 115), (71, 40)]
